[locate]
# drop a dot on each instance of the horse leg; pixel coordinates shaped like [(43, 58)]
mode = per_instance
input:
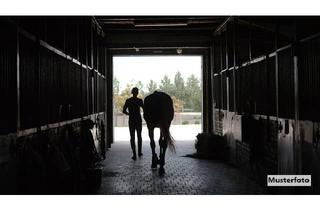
[(163, 148), (153, 148), (160, 145)]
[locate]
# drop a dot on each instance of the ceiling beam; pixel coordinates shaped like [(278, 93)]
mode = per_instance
[(222, 25)]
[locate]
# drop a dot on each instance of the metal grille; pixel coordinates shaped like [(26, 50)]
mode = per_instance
[(231, 90), (55, 32), (95, 92), (83, 40), (33, 25), (223, 50), (88, 31), (217, 91), (309, 80), (272, 90), (251, 88), (286, 84), (90, 94), (102, 96), (29, 80), (238, 80), (61, 88), (217, 55), (72, 36), (260, 87), (230, 45), (95, 50), (242, 45), (52, 87), (75, 93), (8, 79), (262, 42), (255, 85), (84, 93), (224, 90), (102, 59), (245, 86)]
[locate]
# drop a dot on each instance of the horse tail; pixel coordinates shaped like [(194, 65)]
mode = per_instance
[(167, 137)]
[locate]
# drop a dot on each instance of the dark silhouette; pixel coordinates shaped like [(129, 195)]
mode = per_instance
[(88, 152), (133, 104), (158, 112), (102, 140), (251, 134), (317, 138)]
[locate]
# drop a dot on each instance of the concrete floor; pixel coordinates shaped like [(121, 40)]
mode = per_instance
[(184, 175)]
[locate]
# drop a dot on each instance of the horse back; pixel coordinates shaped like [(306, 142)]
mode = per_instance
[(158, 108)]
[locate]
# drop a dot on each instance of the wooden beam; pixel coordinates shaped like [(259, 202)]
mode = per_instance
[(30, 131)]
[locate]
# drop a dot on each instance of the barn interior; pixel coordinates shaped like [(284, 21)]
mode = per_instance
[(260, 103)]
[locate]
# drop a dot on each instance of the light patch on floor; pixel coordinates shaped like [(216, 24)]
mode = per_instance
[(178, 132)]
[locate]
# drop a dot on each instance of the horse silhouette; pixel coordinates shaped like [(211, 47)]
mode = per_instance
[(158, 113)]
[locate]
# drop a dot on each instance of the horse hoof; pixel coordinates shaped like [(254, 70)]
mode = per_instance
[(161, 171), (155, 161)]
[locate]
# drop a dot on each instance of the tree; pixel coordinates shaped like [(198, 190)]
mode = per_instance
[(166, 85), (185, 95), (177, 104), (193, 94), (179, 86), (140, 86), (152, 86), (116, 86), (119, 100)]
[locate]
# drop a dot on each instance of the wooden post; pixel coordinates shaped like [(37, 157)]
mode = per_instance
[(212, 87), (210, 91), (78, 40), (109, 101), (277, 73), (98, 78), (207, 93), (234, 63), (226, 45), (250, 44), (18, 81), (221, 79), (297, 141)]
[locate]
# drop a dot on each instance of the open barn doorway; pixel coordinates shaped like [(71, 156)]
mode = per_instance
[(179, 76)]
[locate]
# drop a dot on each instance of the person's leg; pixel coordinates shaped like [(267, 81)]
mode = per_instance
[(139, 130), (132, 141)]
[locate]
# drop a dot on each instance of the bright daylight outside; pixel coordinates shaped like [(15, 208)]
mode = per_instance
[(178, 76)]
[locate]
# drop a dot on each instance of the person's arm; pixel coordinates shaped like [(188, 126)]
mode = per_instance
[(125, 107)]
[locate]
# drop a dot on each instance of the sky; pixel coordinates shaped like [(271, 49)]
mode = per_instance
[(131, 69)]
